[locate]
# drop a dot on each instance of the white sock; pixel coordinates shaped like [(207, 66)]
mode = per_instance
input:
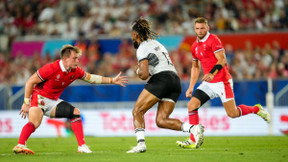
[(140, 135), (186, 127)]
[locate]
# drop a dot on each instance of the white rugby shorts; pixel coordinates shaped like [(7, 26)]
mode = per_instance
[(44, 103), (224, 90)]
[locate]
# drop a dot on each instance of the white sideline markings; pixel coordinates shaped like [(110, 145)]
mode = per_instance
[(49, 153), (53, 153)]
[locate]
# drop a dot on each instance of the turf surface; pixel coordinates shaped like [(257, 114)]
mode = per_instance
[(266, 148)]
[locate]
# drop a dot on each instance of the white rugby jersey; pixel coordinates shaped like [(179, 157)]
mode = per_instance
[(157, 55)]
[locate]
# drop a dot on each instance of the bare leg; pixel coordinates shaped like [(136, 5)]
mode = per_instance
[(165, 108), (193, 104), (35, 116), (231, 109), (144, 102)]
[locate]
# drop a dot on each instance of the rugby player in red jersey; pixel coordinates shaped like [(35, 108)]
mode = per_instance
[(217, 82), (43, 98)]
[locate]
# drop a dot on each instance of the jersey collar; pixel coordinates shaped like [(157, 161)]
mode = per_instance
[(205, 38), (62, 66)]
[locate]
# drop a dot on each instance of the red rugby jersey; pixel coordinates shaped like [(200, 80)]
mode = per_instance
[(204, 51), (55, 79)]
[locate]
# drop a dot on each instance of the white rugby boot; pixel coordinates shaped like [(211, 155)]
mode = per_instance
[(263, 114), (197, 131), (84, 149), (140, 148)]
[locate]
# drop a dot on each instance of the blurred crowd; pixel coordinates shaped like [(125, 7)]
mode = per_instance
[(90, 19), (71, 18), (244, 64)]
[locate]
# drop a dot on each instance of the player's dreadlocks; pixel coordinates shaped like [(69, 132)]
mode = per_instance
[(143, 28)]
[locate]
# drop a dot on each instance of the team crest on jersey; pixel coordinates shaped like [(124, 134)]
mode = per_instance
[(41, 103), (58, 77)]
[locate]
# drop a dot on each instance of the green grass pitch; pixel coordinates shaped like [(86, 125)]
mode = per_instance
[(255, 148)]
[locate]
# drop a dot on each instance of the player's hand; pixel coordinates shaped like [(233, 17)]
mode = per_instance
[(120, 80), (208, 77), (24, 111), (189, 92)]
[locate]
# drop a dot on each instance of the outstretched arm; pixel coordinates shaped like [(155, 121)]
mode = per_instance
[(98, 79)]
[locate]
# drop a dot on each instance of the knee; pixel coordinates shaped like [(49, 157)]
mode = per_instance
[(65, 109), (76, 114), (233, 114), (35, 116), (76, 111), (137, 111), (160, 122), (192, 106)]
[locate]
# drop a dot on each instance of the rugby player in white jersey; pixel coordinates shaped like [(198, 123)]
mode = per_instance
[(163, 86)]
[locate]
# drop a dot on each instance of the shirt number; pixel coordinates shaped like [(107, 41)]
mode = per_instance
[(167, 58)]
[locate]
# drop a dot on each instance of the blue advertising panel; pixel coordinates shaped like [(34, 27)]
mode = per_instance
[(53, 47)]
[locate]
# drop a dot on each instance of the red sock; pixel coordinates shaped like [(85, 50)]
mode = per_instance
[(244, 110), (194, 120), (77, 128), (27, 130)]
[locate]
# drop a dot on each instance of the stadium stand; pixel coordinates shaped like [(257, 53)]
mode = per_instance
[(83, 19)]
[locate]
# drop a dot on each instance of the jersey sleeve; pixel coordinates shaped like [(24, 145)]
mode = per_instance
[(142, 54), (45, 72), (217, 45), (81, 73)]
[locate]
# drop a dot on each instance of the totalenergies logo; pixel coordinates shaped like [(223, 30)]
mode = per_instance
[(124, 122)]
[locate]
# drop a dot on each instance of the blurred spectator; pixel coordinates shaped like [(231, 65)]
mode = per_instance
[(89, 19), (47, 13), (229, 53), (94, 51), (81, 8), (70, 32)]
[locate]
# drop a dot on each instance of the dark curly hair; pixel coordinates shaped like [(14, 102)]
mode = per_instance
[(143, 28)]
